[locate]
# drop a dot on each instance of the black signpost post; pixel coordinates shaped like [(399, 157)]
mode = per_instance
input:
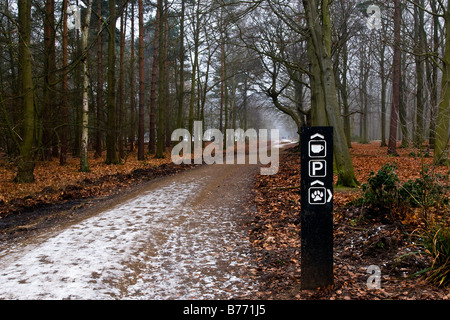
[(316, 207)]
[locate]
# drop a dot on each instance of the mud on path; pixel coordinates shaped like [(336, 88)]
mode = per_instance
[(177, 237)]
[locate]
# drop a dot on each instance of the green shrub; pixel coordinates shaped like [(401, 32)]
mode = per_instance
[(435, 240), (425, 191), (384, 191), (381, 189)]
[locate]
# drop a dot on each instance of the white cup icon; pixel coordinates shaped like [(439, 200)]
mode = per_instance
[(317, 148)]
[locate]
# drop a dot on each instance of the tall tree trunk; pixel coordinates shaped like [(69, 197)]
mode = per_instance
[(25, 163), (77, 100), (433, 77), (318, 113), (111, 132), (383, 95), (245, 104), (443, 118), (320, 37), (141, 127), (392, 145), (133, 129), (161, 88), (364, 77), (120, 99), (420, 37), (100, 104), (222, 79), (194, 68), (154, 85), (49, 92), (84, 165), (182, 54), (344, 94), (403, 112), (64, 92), (167, 136)]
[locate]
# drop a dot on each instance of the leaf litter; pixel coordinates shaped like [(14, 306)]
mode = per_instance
[(274, 232)]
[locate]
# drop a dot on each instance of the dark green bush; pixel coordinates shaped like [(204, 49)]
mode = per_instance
[(435, 240), (384, 191), (381, 189), (424, 192)]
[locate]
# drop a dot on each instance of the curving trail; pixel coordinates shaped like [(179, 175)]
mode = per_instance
[(179, 237)]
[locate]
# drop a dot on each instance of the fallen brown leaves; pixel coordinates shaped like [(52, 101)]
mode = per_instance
[(275, 227), (55, 183)]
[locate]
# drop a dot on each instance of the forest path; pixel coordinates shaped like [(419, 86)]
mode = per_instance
[(179, 237)]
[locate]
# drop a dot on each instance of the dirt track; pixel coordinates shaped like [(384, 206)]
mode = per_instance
[(178, 237)]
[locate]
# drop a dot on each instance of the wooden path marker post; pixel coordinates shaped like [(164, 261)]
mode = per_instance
[(316, 207)]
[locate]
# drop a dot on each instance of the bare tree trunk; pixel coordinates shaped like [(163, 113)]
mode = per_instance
[(433, 77), (154, 85), (194, 68), (132, 133), (344, 94), (318, 113), (161, 89), (443, 118), (84, 165), (420, 37), (25, 163), (141, 126), (403, 112), (100, 105), (64, 111), (320, 45), (383, 95), (364, 77), (120, 100), (166, 78), (392, 145), (222, 79), (111, 133), (48, 122), (182, 53)]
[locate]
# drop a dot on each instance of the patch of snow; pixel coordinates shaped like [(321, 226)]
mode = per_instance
[(154, 246)]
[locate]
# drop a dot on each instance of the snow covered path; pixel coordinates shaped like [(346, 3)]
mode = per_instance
[(177, 238)]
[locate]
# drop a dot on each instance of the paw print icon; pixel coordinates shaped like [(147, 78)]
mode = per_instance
[(319, 195)]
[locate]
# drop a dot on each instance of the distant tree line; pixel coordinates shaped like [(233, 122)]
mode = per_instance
[(117, 76)]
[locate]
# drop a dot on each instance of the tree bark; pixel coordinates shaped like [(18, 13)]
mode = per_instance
[(120, 98), (344, 94), (111, 133), (392, 145), (320, 44), (100, 104), (133, 117), (433, 76), (25, 163), (84, 165), (383, 95), (154, 85), (141, 126), (167, 119), (161, 88), (194, 68), (363, 79), (443, 117), (403, 112), (420, 37), (182, 54), (64, 111), (48, 122)]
